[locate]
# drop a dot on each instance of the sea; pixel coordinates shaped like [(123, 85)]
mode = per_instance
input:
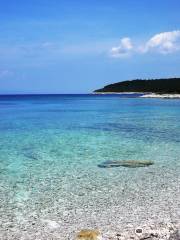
[(50, 149)]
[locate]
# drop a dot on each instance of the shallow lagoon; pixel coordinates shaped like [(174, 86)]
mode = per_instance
[(50, 146)]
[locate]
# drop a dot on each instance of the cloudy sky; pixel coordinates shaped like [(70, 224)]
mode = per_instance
[(68, 46)]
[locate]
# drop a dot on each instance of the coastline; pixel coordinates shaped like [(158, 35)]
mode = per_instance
[(118, 93), (156, 95), (144, 94), (164, 85)]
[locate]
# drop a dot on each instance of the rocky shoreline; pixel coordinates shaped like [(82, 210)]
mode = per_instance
[(143, 94), (155, 95), (126, 211)]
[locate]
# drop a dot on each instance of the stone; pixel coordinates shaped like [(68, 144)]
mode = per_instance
[(126, 163), (51, 224), (89, 235), (139, 230)]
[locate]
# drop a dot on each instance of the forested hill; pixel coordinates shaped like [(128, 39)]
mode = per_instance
[(170, 85)]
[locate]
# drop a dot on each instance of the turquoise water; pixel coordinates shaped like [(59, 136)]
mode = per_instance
[(50, 147)]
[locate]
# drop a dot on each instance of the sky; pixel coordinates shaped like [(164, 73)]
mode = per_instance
[(77, 46)]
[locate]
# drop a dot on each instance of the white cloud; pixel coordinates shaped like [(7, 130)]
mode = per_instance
[(123, 49), (166, 42), (162, 43)]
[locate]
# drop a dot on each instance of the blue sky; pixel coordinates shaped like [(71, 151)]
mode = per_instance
[(77, 46)]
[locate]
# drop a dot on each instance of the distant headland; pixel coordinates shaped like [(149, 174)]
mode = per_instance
[(158, 86)]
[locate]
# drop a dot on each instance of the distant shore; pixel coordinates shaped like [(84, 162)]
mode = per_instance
[(158, 86), (118, 93), (156, 95), (144, 94)]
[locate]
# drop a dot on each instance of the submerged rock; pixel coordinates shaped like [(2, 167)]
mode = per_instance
[(31, 155), (89, 235), (125, 163), (30, 152)]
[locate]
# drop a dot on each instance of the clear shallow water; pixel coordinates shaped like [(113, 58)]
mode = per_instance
[(50, 147)]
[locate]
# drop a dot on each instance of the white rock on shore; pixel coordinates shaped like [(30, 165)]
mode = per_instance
[(154, 95)]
